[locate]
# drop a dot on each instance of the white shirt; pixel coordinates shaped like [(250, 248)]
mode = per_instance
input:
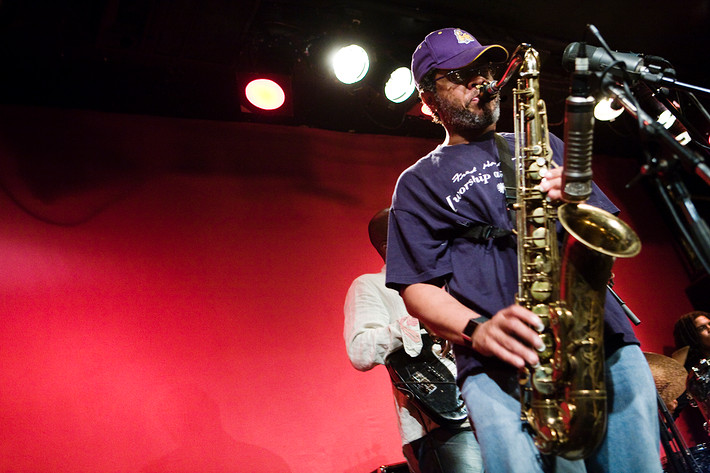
[(376, 324)]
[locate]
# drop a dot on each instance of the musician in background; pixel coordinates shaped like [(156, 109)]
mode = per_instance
[(377, 325), (462, 285), (691, 334)]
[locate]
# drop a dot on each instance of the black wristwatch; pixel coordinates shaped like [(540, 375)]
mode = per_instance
[(468, 330)]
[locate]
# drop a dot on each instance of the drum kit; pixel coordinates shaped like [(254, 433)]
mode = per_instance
[(672, 380)]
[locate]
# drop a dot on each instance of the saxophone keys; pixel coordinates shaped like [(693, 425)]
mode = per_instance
[(534, 171), (538, 216), (541, 290), (542, 380), (542, 264), (539, 237)]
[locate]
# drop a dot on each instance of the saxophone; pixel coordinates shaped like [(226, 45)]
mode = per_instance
[(563, 400)]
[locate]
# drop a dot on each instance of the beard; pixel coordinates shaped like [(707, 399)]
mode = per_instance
[(460, 118)]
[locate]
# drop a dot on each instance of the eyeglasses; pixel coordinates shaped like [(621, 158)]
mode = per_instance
[(464, 75)]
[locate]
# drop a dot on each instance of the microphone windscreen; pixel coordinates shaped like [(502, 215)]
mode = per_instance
[(569, 56), (599, 59)]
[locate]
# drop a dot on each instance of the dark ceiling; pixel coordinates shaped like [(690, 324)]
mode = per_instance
[(183, 58)]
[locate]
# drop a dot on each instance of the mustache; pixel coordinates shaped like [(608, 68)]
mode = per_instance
[(494, 99)]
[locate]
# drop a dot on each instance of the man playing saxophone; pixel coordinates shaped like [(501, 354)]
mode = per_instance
[(452, 255)]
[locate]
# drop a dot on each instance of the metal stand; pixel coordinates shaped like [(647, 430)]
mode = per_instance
[(664, 171), (680, 459)]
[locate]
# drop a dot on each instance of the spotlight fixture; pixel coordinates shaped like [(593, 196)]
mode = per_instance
[(400, 85), (265, 94), (350, 64), (606, 110)]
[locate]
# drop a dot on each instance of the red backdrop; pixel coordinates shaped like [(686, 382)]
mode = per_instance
[(172, 293)]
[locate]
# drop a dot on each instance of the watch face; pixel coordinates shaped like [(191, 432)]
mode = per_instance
[(470, 327)]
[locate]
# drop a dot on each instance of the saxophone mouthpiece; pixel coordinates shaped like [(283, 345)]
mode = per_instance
[(488, 91)]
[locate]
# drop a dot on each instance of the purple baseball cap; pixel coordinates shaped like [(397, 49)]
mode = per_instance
[(451, 48)]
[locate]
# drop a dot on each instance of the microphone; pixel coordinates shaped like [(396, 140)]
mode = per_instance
[(578, 134), (635, 65)]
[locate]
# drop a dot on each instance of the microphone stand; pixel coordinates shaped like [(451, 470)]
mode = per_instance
[(632, 317), (678, 455), (679, 459), (697, 233), (694, 232), (655, 130), (661, 94), (661, 80), (649, 125)]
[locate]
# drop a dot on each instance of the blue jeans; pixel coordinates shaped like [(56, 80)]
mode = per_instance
[(631, 444), (445, 451)]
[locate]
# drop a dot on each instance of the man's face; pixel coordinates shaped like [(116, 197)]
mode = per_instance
[(702, 325), (457, 100)]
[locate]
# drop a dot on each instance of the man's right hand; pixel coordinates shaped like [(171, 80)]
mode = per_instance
[(508, 335)]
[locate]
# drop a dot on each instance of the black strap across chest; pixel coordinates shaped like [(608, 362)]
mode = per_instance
[(506, 167), (481, 232)]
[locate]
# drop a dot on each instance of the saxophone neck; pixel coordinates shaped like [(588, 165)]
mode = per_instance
[(523, 60), (530, 66)]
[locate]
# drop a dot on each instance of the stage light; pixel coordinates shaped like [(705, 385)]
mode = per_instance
[(606, 110), (400, 85), (350, 64), (426, 110), (265, 94)]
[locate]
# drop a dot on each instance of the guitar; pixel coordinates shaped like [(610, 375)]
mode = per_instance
[(428, 383)]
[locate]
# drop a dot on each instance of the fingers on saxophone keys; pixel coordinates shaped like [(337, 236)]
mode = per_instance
[(526, 343), (516, 353), (551, 183)]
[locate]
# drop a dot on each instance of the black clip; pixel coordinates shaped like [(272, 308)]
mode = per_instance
[(487, 233)]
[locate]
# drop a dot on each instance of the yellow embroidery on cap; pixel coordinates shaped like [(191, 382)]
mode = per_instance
[(462, 37)]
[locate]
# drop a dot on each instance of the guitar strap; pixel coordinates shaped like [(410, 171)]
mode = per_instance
[(482, 232)]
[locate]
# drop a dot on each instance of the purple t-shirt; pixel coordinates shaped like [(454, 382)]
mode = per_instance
[(435, 201)]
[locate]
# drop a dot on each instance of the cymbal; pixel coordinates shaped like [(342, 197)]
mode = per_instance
[(668, 374)]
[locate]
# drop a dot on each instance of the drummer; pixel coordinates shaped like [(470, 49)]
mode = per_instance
[(691, 334)]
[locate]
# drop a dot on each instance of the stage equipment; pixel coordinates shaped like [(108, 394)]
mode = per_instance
[(400, 85), (607, 110), (265, 96), (350, 64), (578, 134), (673, 149)]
